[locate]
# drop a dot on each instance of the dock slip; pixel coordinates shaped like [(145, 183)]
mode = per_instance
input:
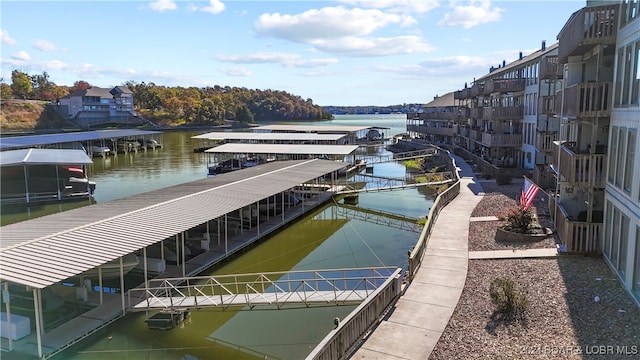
[(307, 288), (381, 183), (378, 159)]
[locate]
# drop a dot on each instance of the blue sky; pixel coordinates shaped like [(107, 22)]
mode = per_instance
[(349, 52)]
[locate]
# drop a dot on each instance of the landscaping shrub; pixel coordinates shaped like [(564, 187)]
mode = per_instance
[(511, 300)]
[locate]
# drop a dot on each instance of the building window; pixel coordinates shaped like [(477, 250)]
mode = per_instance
[(629, 160), (624, 239), (620, 154), (636, 273), (635, 87), (626, 86), (606, 246), (615, 238), (619, 99), (613, 154)]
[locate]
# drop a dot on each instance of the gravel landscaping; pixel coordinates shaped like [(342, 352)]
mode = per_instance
[(577, 309)]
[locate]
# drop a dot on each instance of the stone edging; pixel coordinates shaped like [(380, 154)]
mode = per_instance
[(504, 235)]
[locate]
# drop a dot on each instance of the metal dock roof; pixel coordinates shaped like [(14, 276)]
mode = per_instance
[(44, 157), (316, 128), (46, 250), (230, 135), (304, 149), (14, 142)]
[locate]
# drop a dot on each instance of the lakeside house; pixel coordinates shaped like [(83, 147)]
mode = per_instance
[(96, 106), (567, 116)]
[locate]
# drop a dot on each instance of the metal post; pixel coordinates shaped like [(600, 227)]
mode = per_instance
[(184, 265), (100, 283), (122, 286), (58, 182), (26, 183), (7, 300), (37, 302), (144, 262), (258, 217), (226, 233)]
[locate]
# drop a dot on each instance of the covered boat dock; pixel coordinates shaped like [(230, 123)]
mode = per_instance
[(93, 142), (354, 134), (46, 256), (208, 140), (233, 156), (37, 175)]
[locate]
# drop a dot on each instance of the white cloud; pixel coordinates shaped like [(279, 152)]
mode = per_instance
[(237, 71), (54, 65), (5, 38), (285, 59), (44, 45), (163, 5), (325, 23), (21, 56), (354, 46), (399, 6), (215, 7), (472, 15), (456, 65)]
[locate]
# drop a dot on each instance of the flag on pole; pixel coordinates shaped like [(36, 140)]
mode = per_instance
[(529, 192)]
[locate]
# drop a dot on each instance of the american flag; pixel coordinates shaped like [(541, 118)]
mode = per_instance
[(529, 192)]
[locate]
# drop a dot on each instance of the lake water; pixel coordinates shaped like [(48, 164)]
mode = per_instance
[(321, 240)]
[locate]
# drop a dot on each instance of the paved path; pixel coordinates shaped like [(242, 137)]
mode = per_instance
[(413, 328)]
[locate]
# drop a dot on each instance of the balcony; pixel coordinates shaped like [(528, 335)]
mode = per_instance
[(476, 90), (475, 135), (547, 105), (585, 100), (544, 177), (587, 28), (577, 236), (583, 170), (463, 131), (448, 115), (476, 112), (461, 94), (549, 68), (432, 130), (503, 113), (503, 85), (544, 141), (501, 140)]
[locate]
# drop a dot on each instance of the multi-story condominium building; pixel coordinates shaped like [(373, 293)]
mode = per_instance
[(621, 245), (502, 114), (438, 121), (569, 114), (94, 106), (583, 105)]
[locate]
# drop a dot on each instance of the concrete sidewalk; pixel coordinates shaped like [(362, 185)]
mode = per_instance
[(414, 326)]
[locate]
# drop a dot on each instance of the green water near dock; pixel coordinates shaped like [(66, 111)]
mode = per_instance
[(322, 240)]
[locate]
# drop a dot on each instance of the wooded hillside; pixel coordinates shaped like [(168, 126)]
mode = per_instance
[(165, 106)]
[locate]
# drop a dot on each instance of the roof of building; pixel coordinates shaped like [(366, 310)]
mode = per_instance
[(304, 149), (514, 64), (44, 157), (316, 128), (15, 142), (442, 101), (46, 250), (230, 135)]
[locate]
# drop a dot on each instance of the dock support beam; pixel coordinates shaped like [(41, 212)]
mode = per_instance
[(37, 302)]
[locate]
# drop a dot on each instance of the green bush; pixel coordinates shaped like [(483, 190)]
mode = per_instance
[(510, 299), (519, 221)]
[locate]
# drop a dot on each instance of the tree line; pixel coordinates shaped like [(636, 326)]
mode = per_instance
[(181, 105)]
